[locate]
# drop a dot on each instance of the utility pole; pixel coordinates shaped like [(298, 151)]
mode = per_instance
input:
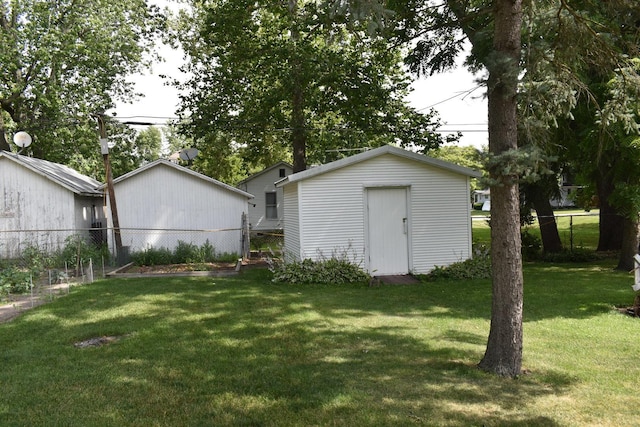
[(104, 148)]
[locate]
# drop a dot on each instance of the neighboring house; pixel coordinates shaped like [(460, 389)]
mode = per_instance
[(42, 203), (162, 203), (566, 196), (483, 198), (265, 210), (568, 192), (393, 211)]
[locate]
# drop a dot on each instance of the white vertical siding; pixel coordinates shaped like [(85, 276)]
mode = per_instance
[(291, 221), (29, 201), (163, 197), (332, 217), (332, 210)]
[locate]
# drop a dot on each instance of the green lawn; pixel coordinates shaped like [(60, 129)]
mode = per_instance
[(577, 229), (244, 351)]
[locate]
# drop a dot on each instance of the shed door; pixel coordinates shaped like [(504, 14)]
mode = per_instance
[(387, 230)]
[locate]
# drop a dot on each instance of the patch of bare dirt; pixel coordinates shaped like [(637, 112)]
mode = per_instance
[(178, 268), (186, 268), (18, 304), (634, 310), (97, 341)]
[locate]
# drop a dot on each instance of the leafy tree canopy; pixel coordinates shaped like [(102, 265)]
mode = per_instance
[(62, 62), (293, 81)]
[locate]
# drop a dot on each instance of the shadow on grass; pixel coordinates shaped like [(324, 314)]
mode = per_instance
[(242, 351)]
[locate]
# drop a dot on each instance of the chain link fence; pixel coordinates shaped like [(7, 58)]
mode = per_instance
[(266, 243), (576, 230), (31, 260), (219, 243)]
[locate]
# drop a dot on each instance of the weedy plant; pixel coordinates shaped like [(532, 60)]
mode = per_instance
[(340, 268), (184, 253), (17, 277), (478, 267)]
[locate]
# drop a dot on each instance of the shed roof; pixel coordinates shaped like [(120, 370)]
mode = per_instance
[(166, 163), (62, 175), (263, 171), (385, 149)]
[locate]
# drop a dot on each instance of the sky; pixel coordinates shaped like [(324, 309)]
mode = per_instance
[(448, 93)]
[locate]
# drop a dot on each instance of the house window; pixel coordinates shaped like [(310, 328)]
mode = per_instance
[(271, 203), (282, 173)]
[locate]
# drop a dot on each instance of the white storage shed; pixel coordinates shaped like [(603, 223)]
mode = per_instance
[(42, 203), (162, 203), (390, 210)]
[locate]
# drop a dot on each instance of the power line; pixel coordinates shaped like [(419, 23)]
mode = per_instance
[(462, 94), (146, 117)]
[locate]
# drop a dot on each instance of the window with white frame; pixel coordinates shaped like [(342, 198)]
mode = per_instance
[(271, 202)]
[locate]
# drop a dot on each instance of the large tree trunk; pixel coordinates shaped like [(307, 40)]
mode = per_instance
[(298, 131), (547, 221), (503, 355), (629, 244), (611, 223), (4, 145)]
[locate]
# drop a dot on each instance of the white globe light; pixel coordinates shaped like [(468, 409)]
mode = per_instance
[(22, 139)]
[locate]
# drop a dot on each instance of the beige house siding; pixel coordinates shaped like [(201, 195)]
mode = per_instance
[(259, 185)]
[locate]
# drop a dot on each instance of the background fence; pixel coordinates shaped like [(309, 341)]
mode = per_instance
[(576, 229), (32, 261), (75, 246), (265, 243)]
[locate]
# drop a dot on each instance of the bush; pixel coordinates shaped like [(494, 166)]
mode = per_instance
[(531, 246), (14, 281), (226, 257), (152, 256), (576, 255), (327, 271), (36, 260), (478, 267), (79, 249), (184, 253), (341, 268)]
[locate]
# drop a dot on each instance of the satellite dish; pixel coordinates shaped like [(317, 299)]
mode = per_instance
[(22, 139), (188, 154)]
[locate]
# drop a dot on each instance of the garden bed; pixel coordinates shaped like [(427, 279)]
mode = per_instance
[(197, 269)]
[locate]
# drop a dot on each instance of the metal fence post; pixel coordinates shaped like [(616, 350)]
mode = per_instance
[(571, 232), (245, 245)]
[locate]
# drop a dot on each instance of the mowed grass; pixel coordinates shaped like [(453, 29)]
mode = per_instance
[(243, 351), (577, 229)]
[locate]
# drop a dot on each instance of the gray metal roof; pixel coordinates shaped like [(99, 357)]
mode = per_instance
[(57, 173), (165, 162), (385, 149)]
